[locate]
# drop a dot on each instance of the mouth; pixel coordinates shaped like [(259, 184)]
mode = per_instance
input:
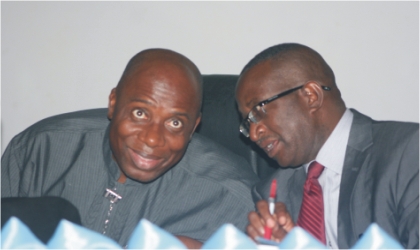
[(269, 146), (143, 161)]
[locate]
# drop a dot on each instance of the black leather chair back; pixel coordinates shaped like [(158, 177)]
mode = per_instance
[(220, 122)]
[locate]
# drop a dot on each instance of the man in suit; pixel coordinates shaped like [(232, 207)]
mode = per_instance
[(293, 110)]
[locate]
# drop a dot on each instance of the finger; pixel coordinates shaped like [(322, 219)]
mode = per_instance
[(256, 222), (267, 218), (262, 208), (278, 234), (283, 224), (252, 232), (283, 217)]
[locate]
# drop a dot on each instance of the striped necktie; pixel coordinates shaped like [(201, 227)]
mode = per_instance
[(311, 216)]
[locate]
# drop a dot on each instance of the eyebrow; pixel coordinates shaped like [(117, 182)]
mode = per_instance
[(152, 104), (254, 101), (182, 114)]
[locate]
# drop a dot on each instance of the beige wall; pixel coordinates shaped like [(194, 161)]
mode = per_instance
[(65, 56)]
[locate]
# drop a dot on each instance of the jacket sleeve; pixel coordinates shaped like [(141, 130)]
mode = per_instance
[(408, 205), (256, 196), (11, 170)]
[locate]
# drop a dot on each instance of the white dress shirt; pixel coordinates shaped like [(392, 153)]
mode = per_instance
[(331, 156)]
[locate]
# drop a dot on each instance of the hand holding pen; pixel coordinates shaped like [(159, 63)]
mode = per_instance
[(271, 201), (264, 222)]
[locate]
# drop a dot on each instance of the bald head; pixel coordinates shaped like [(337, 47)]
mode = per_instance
[(296, 64), (154, 111), (160, 58), (300, 61)]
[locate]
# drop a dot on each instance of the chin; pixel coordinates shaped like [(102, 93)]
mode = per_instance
[(283, 162), (280, 161)]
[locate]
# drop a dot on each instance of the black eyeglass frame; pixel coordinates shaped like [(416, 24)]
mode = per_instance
[(245, 124)]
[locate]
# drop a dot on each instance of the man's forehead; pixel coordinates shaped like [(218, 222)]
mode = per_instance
[(263, 81), (257, 76), (280, 73), (172, 74), (151, 84), (157, 66), (160, 82)]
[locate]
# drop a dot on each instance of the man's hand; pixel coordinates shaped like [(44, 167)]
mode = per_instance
[(189, 242), (281, 222)]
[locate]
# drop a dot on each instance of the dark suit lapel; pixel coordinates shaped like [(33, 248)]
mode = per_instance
[(295, 187), (353, 211)]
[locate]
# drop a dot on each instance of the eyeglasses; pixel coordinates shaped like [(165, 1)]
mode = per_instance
[(258, 112)]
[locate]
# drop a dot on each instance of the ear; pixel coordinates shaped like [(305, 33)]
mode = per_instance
[(112, 100), (197, 121), (314, 96)]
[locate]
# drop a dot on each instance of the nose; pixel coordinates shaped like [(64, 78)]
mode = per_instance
[(153, 135), (256, 130)]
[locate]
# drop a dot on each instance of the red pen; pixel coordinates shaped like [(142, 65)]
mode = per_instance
[(271, 201)]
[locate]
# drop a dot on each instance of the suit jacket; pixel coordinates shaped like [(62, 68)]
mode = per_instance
[(379, 183)]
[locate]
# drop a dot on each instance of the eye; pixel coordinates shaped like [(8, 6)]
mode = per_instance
[(139, 114), (175, 124)]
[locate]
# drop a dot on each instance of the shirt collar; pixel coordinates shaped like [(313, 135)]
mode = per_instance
[(332, 153), (111, 165)]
